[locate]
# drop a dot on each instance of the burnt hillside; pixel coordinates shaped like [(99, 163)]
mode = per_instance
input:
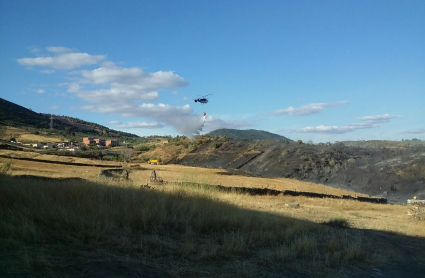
[(398, 173)]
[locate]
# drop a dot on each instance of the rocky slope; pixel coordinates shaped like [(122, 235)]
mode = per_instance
[(395, 173)]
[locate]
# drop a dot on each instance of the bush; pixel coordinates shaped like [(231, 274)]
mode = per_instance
[(143, 148), (6, 167), (338, 223), (109, 157), (215, 145)]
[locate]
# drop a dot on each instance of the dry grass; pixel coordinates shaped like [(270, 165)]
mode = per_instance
[(187, 230), (390, 218), (54, 158), (220, 177), (416, 211), (186, 225), (54, 228), (27, 137), (182, 173)]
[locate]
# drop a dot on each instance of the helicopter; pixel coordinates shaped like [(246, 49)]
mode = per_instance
[(202, 99)]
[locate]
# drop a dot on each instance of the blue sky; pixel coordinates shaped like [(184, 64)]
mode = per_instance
[(310, 70)]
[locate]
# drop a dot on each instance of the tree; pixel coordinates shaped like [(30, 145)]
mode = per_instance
[(127, 154), (2, 130), (67, 130)]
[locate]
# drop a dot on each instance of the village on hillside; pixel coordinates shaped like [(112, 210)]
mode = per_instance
[(70, 146)]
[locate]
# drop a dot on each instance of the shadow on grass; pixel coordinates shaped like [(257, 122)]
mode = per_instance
[(78, 228)]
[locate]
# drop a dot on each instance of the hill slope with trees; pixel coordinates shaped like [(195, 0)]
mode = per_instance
[(14, 115), (248, 134)]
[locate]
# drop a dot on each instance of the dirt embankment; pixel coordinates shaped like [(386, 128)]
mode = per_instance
[(394, 173)]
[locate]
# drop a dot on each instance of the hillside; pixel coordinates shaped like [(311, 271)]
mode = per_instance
[(395, 173), (14, 115), (248, 134), (379, 144)]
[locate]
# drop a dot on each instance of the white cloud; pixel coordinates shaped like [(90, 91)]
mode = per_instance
[(125, 84), (150, 125), (73, 87), (58, 49), (141, 110), (34, 49), (370, 122), (117, 93), (331, 129), (40, 91), (112, 73), (179, 117), (63, 60), (54, 107), (414, 131), (308, 109), (378, 118), (118, 90), (133, 76), (212, 123), (47, 71)]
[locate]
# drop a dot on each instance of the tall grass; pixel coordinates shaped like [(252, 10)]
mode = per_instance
[(187, 225)]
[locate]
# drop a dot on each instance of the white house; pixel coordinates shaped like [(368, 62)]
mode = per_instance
[(72, 149), (61, 144), (37, 145)]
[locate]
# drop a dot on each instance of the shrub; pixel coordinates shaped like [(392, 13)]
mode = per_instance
[(6, 167), (338, 223), (143, 148), (144, 158), (109, 157)]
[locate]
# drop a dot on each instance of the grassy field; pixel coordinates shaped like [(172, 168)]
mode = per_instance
[(392, 218), (86, 228)]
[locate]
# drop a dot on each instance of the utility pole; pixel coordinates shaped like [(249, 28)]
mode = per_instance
[(51, 121)]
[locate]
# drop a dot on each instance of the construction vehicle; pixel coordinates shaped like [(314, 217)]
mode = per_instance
[(153, 161)]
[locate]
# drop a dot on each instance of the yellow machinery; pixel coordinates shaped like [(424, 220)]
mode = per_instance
[(153, 161)]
